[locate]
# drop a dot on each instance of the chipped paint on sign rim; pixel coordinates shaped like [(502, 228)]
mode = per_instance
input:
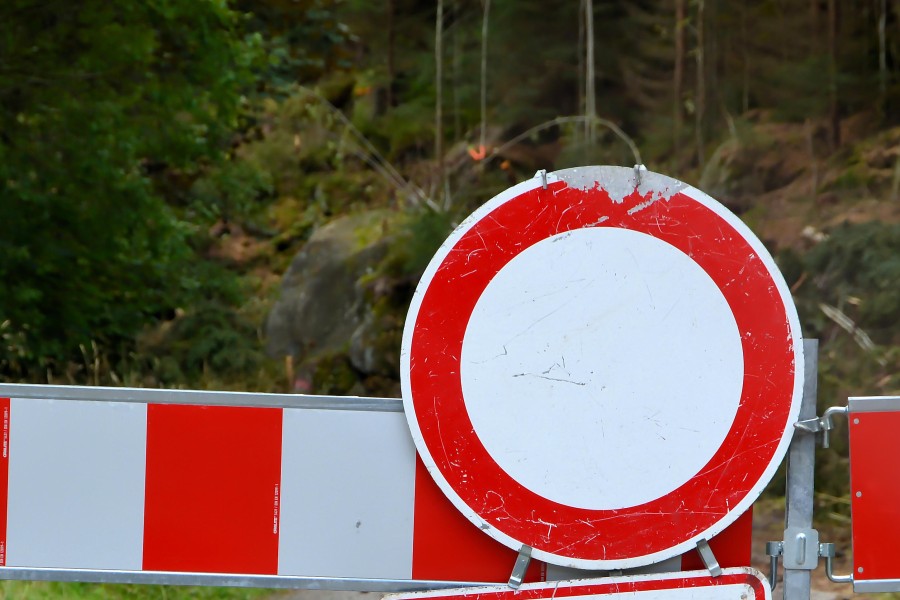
[(605, 369)]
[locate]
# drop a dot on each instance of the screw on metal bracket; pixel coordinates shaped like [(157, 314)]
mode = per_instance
[(637, 174), (827, 551), (800, 550), (521, 566)]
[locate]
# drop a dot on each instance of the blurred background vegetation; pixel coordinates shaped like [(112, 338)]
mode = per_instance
[(242, 195)]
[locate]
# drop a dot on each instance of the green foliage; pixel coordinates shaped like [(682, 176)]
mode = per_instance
[(211, 338), (334, 374), (425, 235), (405, 131), (103, 100), (21, 590), (129, 127), (855, 271), (302, 40), (231, 189), (858, 269), (796, 87), (418, 238)]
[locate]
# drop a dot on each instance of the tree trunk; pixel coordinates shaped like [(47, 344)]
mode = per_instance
[(882, 50), (834, 119), (391, 69), (484, 41), (456, 68), (813, 163), (438, 93), (700, 100), (711, 61), (581, 106), (678, 81), (745, 54), (589, 76), (814, 32)]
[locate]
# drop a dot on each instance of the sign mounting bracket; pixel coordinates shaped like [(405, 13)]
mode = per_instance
[(823, 424), (521, 566), (708, 558)]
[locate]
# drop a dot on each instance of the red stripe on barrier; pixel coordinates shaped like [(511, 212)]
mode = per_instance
[(732, 547), (441, 532), (4, 479), (875, 494), (213, 489)]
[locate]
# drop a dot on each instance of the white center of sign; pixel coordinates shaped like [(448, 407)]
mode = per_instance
[(602, 368)]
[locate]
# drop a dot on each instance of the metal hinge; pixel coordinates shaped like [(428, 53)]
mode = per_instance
[(827, 551), (821, 424)]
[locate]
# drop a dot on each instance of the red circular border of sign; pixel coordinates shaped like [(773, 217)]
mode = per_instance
[(584, 534)]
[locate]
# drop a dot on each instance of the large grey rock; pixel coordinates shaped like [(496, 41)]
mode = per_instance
[(321, 303)]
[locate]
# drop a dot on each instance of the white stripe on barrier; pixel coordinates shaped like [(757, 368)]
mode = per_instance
[(76, 484), (347, 495)]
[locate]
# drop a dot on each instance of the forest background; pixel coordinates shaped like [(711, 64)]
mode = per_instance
[(179, 177)]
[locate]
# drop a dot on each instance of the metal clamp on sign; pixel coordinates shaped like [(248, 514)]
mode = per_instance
[(823, 424)]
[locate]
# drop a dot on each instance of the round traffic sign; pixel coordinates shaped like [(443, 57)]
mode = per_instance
[(603, 366)]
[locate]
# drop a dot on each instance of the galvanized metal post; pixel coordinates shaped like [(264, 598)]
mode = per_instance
[(800, 473)]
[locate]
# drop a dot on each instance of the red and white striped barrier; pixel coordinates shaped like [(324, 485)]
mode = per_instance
[(174, 481)]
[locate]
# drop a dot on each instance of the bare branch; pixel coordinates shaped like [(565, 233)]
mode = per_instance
[(571, 119)]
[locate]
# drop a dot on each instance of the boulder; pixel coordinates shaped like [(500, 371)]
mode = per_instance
[(322, 303)]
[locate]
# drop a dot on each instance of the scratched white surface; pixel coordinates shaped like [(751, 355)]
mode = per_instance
[(703, 590), (718, 592), (581, 357)]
